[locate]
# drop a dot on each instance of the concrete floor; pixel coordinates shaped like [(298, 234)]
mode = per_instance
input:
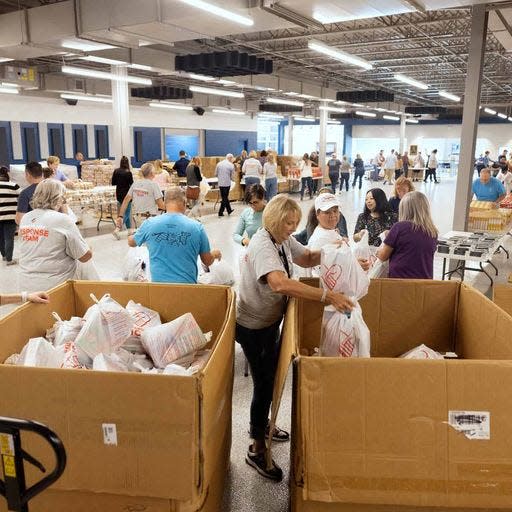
[(246, 490)]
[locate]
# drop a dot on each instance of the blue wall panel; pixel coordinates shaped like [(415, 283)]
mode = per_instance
[(221, 142), (175, 143), (24, 142), (7, 143), (147, 145)]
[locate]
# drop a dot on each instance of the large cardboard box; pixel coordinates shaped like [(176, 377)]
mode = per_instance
[(173, 433), (502, 296), (375, 434)]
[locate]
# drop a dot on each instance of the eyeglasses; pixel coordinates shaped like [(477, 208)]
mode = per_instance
[(255, 203)]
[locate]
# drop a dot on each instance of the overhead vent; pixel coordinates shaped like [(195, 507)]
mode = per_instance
[(162, 92), (365, 96), (224, 64), (270, 107), (425, 110)]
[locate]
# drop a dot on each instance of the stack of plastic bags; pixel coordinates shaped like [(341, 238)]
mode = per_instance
[(344, 334), (363, 250), (112, 338)]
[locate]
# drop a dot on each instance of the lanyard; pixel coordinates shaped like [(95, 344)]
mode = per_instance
[(282, 255)]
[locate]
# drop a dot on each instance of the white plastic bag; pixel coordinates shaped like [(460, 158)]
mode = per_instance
[(136, 265), (380, 269), (382, 173), (345, 335), (362, 248), (109, 363), (219, 272), (107, 326), (340, 272), (143, 317), (41, 353), (87, 271), (170, 341), (69, 354), (422, 352), (176, 369)]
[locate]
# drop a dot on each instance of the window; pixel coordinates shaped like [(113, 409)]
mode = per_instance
[(5, 149), (101, 138), (80, 140), (268, 134), (30, 142), (56, 140)]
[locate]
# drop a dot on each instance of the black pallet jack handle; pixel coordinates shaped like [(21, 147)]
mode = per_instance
[(12, 455)]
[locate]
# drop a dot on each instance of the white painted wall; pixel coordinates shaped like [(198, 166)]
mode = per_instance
[(32, 109), (490, 136)]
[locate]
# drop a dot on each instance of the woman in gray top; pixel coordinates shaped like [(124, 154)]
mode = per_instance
[(266, 283), (345, 173)]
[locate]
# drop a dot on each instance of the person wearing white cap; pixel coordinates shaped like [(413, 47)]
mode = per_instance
[(328, 213)]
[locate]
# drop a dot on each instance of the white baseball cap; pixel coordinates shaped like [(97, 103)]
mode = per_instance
[(325, 202)]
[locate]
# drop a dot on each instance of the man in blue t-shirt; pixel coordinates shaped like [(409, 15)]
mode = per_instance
[(180, 166), (33, 175), (488, 188), (174, 242)]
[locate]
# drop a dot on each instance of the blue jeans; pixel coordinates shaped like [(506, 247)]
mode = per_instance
[(334, 177), (127, 218), (309, 182), (270, 188), (251, 180)]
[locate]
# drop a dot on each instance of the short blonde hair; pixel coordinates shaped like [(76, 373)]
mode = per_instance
[(271, 158), (53, 160), (403, 181), (47, 195), (157, 164), (253, 154), (276, 211), (415, 208)]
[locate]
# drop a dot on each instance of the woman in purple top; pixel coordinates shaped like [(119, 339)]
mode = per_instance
[(411, 243)]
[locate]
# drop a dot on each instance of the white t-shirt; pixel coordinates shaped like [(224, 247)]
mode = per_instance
[(319, 239), (144, 194), (50, 244), (506, 179), (391, 161), (306, 170), (252, 168)]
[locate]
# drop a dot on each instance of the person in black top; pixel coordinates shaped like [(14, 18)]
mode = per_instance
[(358, 171), (377, 217), (122, 179), (79, 157), (33, 175), (180, 166)]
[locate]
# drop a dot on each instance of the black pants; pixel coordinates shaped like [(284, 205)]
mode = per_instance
[(309, 182), (356, 176), (7, 231), (224, 195), (334, 177), (406, 170), (398, 173), (261, 348), (344, 178), (429, 173)]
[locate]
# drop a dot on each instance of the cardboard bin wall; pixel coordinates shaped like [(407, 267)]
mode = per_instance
[(374, 434), (502, 296), (173, 433)]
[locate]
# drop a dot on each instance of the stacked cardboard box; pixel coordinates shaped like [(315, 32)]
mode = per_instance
[(173, 433), (502, 296), (396, 435), (98, 173), (286, 162)]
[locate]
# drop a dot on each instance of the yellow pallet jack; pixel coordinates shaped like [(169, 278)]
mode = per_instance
[(12, 455)]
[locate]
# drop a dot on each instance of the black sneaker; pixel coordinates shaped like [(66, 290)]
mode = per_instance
[(279, 435), (258, 462)]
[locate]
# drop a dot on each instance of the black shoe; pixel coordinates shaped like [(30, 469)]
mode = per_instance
[(221, 215), (229, 213), (279, 435), (257, 461), (436, 181), (424, 181)]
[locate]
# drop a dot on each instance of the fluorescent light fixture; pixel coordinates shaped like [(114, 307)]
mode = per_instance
[(5, 59), (230, 112), (503, 116), (357, 105), (307, 96), (9, 90), (270, 117), (8, 84), (339, 102), (304, 119), (173, 106), (279, 101), (320, 47), (331, 121), (490, 111), (92, 73), (203, 78), (365, 114), (292, 93), (225, 82), (413, 121), (142, 67), (262, 88), (218, 92), (103, 60), (86, 46), (410, 81), (219, 11), (80, 97), (333, 109), (509, 118), (391, 118), (449, 96)]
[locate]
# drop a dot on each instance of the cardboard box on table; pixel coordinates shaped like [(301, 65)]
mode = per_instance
[(502, 296), (372, 435), (173, 433)]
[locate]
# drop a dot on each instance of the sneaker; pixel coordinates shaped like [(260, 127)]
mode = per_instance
[(279, 435), (258, 462), (12, 262), (116, 234)]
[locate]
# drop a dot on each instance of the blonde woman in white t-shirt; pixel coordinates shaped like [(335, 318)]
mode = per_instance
[(306, 176), (252, 170)]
